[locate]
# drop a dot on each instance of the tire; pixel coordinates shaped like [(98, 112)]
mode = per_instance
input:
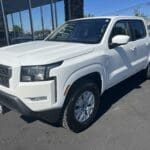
[(72, 118), (148, 72)]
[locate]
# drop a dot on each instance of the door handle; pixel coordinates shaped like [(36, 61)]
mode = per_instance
[(147, 44), (133, 49)]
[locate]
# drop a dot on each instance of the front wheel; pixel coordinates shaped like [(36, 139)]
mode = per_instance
[(83, 106)]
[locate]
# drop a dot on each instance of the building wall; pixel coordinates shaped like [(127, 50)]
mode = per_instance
[(73, 9), (2, 31)]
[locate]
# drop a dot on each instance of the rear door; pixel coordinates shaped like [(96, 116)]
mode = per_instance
[(138, 45)]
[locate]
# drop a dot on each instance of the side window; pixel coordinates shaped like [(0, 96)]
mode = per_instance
[(138, 29), (120, 28)]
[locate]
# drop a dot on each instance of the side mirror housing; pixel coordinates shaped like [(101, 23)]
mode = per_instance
[(120, 39)]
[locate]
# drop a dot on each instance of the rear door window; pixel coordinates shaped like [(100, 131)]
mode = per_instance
[(138, 29)]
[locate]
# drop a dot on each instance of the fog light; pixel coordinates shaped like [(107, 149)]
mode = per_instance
[(43, 98)]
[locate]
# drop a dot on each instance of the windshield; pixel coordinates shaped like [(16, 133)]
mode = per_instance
[(81, 31)]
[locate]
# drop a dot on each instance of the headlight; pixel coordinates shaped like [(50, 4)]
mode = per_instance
[(37, 73)]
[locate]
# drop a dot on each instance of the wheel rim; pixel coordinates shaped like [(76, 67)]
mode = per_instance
[(84, 106)]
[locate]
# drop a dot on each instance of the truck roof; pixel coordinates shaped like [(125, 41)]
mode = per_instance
[(111, 17)]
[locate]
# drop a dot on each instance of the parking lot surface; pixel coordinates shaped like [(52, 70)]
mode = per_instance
[(123, 123)]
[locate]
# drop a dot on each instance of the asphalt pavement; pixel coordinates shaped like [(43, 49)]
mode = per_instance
[(123, 123)]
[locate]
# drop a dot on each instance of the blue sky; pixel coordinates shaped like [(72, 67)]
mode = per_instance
[(100, 7), (95, 7)]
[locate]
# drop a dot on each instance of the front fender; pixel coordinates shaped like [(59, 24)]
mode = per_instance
[(85, 71)]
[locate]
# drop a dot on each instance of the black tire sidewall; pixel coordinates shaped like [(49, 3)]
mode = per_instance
[(148, 71), (72, 122)]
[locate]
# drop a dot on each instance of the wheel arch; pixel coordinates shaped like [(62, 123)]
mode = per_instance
[(95, 72)]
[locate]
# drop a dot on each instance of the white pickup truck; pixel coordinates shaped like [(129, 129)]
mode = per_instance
[(62, 78)]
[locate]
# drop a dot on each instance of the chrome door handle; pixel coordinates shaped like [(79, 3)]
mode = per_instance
[(147, 44), (133, 49)]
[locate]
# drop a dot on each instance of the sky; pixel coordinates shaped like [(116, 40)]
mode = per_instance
[(94, 7), (102, 7)]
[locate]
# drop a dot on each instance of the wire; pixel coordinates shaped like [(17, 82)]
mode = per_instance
[(128, 8)]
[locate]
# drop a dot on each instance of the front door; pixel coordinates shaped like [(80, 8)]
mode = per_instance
[(120, 58)]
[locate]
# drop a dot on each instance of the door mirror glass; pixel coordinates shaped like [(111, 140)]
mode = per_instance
[(120, 39)]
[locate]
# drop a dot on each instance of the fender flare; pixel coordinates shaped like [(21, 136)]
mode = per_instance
[(94, 68)]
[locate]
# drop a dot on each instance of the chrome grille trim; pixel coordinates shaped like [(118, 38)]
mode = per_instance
[(5, 75)]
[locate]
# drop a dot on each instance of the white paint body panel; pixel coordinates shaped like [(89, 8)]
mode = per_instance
[(79, 60)]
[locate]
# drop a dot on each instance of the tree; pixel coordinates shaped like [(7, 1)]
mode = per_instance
[(17, 29), (88, 15), (138, 13)]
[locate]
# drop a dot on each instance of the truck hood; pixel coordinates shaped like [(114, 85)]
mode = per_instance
[(41, 52)]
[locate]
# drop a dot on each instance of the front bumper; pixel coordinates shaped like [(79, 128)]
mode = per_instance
[(31, 94), (14, 103)]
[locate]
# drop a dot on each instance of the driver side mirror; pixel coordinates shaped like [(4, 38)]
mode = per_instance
[(120, 39)]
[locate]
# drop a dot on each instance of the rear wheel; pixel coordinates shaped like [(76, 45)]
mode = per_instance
[(82, 107), (148, 72)]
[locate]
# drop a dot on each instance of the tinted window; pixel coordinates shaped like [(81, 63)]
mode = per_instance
[(138, 29), (120, 28), (2, 34), (82, 31)]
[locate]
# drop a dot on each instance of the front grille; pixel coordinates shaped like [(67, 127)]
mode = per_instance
[(5, 75)]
